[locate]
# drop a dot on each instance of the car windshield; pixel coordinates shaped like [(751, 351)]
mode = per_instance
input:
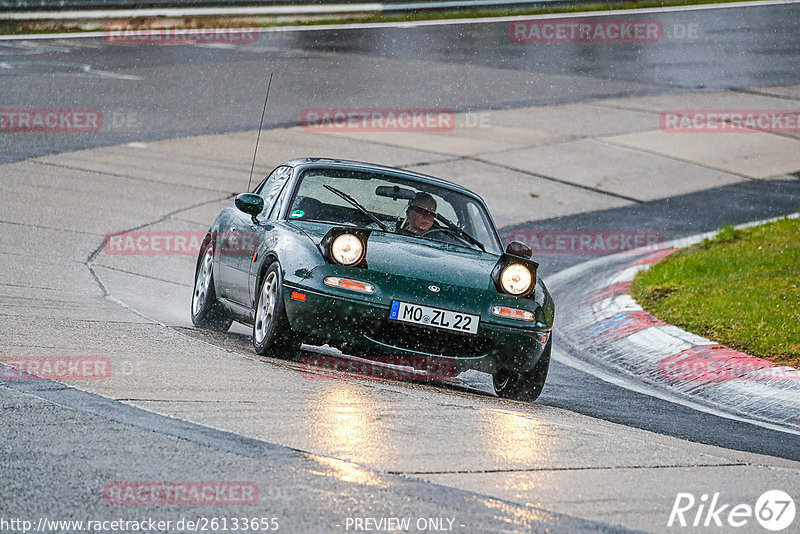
[(393, 204)]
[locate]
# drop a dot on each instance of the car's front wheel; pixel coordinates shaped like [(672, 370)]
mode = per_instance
[(207, 311), (272, 333), (524, 386)]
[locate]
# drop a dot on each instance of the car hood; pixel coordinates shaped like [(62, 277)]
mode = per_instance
[(424, 259)]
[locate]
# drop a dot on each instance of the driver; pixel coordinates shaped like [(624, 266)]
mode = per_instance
[(419, 214)]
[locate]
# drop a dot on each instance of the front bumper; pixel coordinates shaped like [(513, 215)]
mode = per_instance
[(360, 324)]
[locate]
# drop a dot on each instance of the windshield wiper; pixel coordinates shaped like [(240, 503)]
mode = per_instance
[(355, 203), (457, 229)]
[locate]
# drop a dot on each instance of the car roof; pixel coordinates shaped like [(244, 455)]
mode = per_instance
[(360, 165)]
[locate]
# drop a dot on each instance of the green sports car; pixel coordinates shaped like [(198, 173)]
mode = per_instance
[(379, 262)]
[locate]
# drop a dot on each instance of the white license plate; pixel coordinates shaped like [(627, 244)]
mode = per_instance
[(435, 317)]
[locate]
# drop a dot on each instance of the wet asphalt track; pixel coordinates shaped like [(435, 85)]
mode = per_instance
[(148, 92), (214, 90)]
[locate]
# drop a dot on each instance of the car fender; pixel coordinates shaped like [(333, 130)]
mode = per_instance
[(544, 301), (296, 252), (213, 231)]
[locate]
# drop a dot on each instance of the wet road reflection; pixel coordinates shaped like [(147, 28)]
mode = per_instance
[(514, 439), (341, 423), (349, 472)]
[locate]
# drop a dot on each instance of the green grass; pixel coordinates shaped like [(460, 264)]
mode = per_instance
[(56, 26), (740, 289)]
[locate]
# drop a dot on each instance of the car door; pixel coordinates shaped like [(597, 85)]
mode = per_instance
[(246, 235), (223, 266)]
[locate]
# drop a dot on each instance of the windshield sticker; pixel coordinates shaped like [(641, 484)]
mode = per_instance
[(296, 214)]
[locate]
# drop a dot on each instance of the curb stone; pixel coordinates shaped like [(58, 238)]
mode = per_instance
[(640, 344)]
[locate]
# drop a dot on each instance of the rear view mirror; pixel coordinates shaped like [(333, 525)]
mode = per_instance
[(518, 248), (394, 192)]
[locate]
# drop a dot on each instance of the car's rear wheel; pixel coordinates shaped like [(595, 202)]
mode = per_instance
[(272, 333), (524, 386), (207, 311)]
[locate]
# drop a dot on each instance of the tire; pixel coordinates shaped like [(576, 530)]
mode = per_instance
[(524, 386), (207, 312), (272, 333)]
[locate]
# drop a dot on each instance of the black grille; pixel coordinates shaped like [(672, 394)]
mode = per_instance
[(427, 340)]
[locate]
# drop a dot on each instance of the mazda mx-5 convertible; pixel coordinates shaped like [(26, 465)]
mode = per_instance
[(379, 262)]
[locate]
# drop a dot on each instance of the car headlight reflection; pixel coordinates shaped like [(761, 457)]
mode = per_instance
[(516, 279), (347, 249)]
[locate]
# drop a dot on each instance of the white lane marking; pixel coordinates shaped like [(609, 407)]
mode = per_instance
[(658, 343), (108, 74), (636, 386), (65, 69), (627, 275), (611, 307), (482, 20), (33, 48), (683, 335), (221, 46)]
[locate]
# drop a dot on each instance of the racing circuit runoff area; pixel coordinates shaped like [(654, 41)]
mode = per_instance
[(166, 412)]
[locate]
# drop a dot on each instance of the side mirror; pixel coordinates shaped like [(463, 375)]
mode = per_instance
[(250, 204), (519, 249)]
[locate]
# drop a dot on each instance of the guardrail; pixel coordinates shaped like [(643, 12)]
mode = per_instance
[(264, 7), (92, 4)]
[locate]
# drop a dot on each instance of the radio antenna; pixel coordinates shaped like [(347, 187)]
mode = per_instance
[(253, 166)]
